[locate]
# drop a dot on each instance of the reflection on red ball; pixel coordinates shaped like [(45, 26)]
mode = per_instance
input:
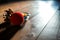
[(17, 18)]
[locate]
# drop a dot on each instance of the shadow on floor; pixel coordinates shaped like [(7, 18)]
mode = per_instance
[(9, 32)]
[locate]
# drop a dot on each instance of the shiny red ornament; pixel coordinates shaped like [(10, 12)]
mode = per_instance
[(17, 18)]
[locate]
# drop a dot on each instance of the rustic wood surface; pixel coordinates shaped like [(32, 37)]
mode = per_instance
[(36, 28)]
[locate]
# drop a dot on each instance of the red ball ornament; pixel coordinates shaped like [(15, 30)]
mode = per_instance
[(17, 18)]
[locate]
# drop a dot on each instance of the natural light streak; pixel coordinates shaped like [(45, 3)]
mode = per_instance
[(46, 10)]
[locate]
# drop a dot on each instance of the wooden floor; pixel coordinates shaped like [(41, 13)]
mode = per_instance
[(38, 27)]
